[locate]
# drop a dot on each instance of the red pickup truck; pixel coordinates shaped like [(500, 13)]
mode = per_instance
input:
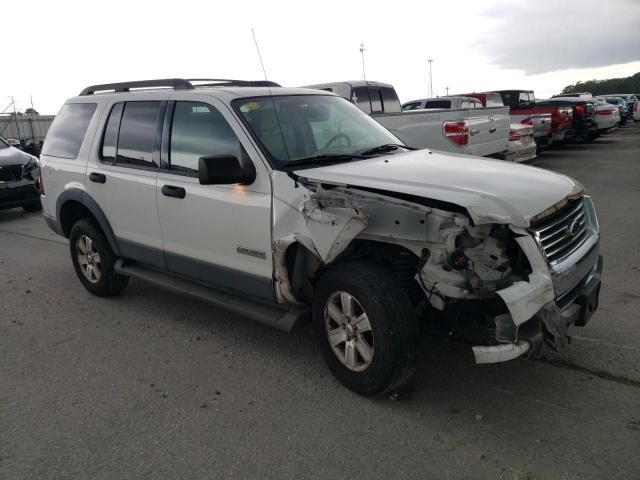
[(523, 102)]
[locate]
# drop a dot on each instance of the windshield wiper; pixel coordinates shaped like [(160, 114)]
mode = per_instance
[(387, 147), (324, 159)]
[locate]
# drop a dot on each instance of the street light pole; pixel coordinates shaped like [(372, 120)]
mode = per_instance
[(430, 79), (362, 49)]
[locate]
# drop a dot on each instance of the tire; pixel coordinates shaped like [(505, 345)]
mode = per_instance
[(32, 207), (392, 334), (101, 279)]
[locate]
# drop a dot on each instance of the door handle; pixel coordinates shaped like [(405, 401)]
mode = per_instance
[(97, 177), (173, 191)]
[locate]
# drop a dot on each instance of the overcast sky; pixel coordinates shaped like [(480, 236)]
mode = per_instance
[(53, 49)]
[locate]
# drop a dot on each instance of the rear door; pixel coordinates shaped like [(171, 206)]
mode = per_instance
[(218, 234), (121, 177)]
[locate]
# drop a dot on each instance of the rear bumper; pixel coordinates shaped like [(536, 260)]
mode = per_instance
[(562, 136), (543, 142), (521, 153), (17, 194)]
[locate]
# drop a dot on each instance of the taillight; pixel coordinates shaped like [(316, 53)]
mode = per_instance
[(527, 121), (580, 111), (39, 183), (514, 136), (457, 132)]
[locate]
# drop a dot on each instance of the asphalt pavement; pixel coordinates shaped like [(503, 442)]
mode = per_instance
[(158, 386)]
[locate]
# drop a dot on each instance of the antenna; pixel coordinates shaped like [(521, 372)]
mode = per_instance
[(362, 49), (259, 56), (273, 103)]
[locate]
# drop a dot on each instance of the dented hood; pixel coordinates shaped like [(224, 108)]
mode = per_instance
[(492, 191)]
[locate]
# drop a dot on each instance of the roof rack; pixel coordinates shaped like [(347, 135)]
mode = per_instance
[(176, 84)]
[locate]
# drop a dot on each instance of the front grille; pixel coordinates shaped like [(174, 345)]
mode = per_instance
[(563, 232), (10, 173)]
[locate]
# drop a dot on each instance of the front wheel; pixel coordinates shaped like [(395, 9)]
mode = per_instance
[(366, 327)]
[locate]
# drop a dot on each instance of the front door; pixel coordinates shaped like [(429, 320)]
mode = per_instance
[(218, 234)]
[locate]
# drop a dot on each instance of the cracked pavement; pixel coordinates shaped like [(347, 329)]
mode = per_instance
[(155, 385)]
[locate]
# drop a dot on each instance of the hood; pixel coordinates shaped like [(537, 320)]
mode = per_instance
[(13, 156), (492, 191)]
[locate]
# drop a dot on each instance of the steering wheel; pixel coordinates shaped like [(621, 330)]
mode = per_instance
[(335, 138)]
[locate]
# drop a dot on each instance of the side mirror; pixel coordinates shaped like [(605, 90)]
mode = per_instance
[(224, 170), (13, 142)]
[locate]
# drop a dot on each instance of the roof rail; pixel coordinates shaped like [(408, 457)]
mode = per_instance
[(176, 84), (227, 82)]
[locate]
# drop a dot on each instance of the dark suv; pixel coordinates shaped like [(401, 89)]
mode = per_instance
[(19, 179)]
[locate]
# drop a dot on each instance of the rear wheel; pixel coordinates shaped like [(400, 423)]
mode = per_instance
[(366, 327), (94, 260)]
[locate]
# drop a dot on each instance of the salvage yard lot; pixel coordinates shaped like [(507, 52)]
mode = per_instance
[(156, 385)]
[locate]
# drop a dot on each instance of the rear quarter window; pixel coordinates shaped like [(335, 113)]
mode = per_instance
[(68, 130)]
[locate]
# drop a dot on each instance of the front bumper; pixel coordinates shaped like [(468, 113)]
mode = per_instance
[(558, 294), (550, 324), (17, 194)]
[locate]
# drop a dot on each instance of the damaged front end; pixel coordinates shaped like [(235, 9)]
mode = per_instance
[(493, 285)]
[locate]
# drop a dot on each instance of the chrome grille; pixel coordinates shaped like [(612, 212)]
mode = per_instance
[(562, 233), (10, 173)]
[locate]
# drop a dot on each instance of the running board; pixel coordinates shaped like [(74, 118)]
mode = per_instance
[(282, 317)]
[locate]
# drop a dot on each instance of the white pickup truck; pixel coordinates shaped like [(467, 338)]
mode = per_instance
[(482, 132)]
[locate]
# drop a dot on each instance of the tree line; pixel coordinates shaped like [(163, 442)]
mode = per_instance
[(602, 87)]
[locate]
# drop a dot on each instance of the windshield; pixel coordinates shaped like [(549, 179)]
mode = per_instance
[(296, 127)]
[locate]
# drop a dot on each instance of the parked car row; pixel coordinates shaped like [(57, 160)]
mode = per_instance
[(488, 124), (19, 179), (286, 203)]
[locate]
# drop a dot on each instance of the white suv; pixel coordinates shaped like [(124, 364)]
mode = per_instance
[(280, 202)]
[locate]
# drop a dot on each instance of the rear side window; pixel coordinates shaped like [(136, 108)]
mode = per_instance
[(68, 130), (390, 100), (526, 99), (494, 101), (110, 138), (360, 97), (199, 130), (465, 104), (137, 133), (411, 106), (438, 104), (375, 95)]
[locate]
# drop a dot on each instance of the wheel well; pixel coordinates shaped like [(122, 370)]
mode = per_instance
[(70, 212), (303, 268)]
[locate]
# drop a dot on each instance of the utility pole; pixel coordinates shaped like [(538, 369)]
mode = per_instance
[(15, 118), (362, 49), (447, 91), (430, 79)]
